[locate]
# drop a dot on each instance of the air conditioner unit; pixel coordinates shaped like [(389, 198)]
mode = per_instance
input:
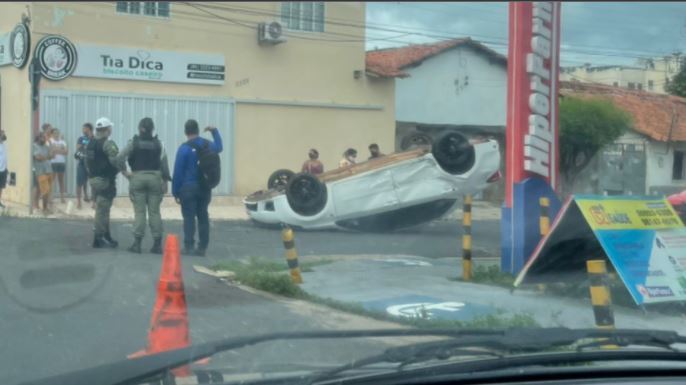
[(270, 33)]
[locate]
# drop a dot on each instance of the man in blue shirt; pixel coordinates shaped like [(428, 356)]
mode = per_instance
[(194, 199)]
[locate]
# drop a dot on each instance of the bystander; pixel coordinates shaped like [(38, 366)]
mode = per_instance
[(313, 165)]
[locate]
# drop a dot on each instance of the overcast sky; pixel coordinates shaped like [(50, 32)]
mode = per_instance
[(598, 33)]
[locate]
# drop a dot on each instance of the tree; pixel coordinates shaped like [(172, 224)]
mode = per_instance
[(586, 126), (677, 85)]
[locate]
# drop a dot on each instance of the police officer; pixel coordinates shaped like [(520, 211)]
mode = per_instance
[(101, 162), (147, 182)]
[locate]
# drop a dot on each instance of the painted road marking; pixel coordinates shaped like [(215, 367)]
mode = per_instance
[(406, 262), (423, 309), (414, 305)]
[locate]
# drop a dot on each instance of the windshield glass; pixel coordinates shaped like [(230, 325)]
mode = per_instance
[(178, 173)]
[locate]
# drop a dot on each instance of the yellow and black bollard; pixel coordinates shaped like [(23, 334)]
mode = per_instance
[(291, 254), (544, 220), (544, 226), (600, 296), (467, 239)]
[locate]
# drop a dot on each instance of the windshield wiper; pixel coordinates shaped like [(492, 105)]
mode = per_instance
[(142, 369), (513, 340), (134, 371)]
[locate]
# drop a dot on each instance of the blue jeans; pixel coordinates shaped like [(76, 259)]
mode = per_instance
[(194, 203)]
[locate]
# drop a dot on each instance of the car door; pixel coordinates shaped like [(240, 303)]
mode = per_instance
[(364, 194), (418, 181)]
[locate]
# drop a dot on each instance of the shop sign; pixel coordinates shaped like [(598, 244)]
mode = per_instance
[(20, 44), (56, 56), (97, 61), (532, 134)]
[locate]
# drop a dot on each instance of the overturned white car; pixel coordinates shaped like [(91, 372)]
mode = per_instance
[(392, 192)]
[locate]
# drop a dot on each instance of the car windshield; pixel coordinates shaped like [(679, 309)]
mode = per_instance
[(174, 174)]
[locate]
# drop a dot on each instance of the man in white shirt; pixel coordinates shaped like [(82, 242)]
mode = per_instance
[(3, 164)]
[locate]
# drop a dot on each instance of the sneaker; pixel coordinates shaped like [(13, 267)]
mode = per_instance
[(188, 250), (199, 252)]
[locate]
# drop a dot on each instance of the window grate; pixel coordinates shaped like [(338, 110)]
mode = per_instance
[(303, 15), (147, 8)]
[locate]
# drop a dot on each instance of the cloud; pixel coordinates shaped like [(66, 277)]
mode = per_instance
[(594, 32)]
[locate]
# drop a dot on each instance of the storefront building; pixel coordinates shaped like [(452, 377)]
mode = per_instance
[(273, 95)]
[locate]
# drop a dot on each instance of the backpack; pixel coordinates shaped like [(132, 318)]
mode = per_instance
[(209, 165)]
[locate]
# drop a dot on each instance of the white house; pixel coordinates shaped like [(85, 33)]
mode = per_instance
[(456, 84), (650, 159), (459, 83)]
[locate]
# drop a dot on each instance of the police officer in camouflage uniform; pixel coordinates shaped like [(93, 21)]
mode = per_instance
[(101, 162), (147, 182)]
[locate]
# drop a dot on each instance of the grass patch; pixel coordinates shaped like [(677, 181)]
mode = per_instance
[(269, 266), (490, 275), (272, 277)]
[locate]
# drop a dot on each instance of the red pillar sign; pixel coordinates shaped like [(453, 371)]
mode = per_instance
[(532, 154)]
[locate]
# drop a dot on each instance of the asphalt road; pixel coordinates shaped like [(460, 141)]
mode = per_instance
[(439, 239), (65, 306)]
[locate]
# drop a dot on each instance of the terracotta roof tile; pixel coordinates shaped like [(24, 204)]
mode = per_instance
[(652, 113), (391, 62)]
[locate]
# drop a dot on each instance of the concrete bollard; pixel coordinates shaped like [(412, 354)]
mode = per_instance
[(600, 296), (467, 239), (544, 226), (291, 255), (544, 220)]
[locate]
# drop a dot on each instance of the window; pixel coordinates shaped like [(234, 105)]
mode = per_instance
[(651, 85), (615, 84), (640, 86), (678, 166), (631, 86), (148, 8), (303, 15)]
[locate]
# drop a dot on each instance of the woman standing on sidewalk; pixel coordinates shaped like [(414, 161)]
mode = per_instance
[(59, 162), (42, 156)]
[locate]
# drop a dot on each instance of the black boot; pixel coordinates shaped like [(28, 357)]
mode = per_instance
[(111, 242), (156, 246), (136, 246), (98, 242)]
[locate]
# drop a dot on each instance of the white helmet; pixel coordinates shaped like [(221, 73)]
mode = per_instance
[(103, 123)]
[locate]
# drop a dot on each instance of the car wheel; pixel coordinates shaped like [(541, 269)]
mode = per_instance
[(415, 139), (279, 179), (306, 194), (454, 153)]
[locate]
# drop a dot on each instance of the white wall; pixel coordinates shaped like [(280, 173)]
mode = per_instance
[(660, 161), (436, 91)]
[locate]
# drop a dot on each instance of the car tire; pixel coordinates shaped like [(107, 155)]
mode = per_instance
[(279, 179), (453, 153), (415, 139), (306, 194)]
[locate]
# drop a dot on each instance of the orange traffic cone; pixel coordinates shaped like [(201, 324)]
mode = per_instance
[(169, 324)]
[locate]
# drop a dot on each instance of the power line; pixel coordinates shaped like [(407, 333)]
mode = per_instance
[(487, 39), (291, 35), (357, 38)]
